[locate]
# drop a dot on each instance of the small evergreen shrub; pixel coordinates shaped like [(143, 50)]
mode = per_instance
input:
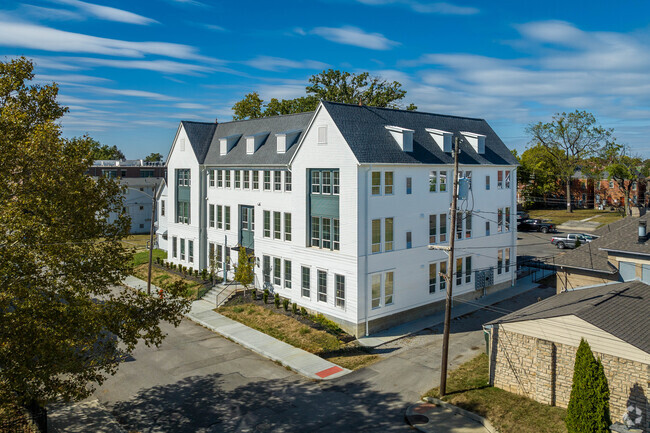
[(238, 309), (196, 273), (191, 271), (285, 304), (294, 308), (588, 410), (276, 300), (265, 296), (204, 274), (304, 330), (303, 311), (328, 325), (253, 294)]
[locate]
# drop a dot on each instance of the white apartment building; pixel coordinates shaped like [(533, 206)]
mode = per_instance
[(339, 206)]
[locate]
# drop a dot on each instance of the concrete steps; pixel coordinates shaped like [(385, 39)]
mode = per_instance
[(220, 294)]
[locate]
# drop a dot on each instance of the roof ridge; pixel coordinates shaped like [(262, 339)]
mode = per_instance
[(267, 117), (404, 110)]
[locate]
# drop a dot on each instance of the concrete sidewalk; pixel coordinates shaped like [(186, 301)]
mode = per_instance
[(436, 416), (303, 362), (458, 309), (139, 284)]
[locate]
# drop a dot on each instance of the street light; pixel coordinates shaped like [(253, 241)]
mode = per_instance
[(153, 217)]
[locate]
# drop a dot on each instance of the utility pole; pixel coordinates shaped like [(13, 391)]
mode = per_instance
[(153, 218), (450, 274)]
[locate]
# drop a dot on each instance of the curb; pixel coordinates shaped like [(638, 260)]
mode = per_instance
[(267, 355), (471, 415)]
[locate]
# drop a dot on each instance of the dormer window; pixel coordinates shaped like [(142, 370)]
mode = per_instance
[(403, 137), (227, 143), (477, 141), (442, 138), (254, 141), (286, 139)]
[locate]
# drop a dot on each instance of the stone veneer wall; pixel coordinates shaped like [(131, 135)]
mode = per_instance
[(543, 370)]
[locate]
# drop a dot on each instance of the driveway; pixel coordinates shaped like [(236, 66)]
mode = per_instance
[(199, 382)]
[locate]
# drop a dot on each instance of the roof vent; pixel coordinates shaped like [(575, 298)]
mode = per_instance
[(286, 139), (254, 141), (477, 141), (643, 236), (442, 138), (403, 137), (227, 143)]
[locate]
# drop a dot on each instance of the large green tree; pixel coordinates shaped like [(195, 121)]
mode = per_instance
[(331, 85), (538, 175), (65, 324), (569, 139), (100, 151), (588, 409), (154, 157), (626, 170)]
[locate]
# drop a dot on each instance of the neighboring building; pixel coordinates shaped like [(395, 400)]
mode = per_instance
[(339, 205), (532, 351), (161, 220), (141, 179), (619, 254)]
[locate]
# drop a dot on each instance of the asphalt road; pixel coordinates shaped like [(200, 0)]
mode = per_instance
[(199, 382), (534, 244)]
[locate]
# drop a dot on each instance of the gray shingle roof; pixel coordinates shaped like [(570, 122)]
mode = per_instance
[(620, 235), (364, 129), (267, 153), (200, 135), (621, 309)]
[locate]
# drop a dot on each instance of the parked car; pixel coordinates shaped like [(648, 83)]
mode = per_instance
[(536, 225), (521, 215), (571, 240)]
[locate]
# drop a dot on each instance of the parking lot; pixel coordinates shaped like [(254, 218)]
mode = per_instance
[(536, 245)]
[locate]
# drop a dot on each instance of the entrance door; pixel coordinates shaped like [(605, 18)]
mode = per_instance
[(246, 226)]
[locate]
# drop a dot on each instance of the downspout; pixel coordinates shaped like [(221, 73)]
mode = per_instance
[(513, 258), (365, 223)]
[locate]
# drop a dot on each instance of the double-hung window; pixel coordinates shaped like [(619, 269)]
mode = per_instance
[(219, 216), (433, 181), (443, 181), (287, 226), (256, 179), (238, 179), (409, 185), (382, 289), (500, 179), (433, 277), (267, 180), (219, 178), (388, 288), (174, 241), (277, 225), (182, 249), (190, 251), (388, 234), (340, 290), (433, 222), (376, 290), (211, 217), (500, 262), (277, 180), (305, 281), (315, 231), (376, 183), (459, 271), (409, 242), (211, 178), (227, 219), (443, 227), (326, 187), (508, 179), (227, 175), (267, 224), (507, 259), (266, 269), (315, 182), (468, 224), (287, 274), (459, 225), (322, 286), (388, 183), (499, 220), (247, 179), (376, 236), (487, 182), (336, 244), (487, 228), (507, 219), (335, 187), (287, 180), (277, 271), (327, 232), (468, 269), (443, 271)]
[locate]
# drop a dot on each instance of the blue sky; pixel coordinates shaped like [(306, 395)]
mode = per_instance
[(130, 71)]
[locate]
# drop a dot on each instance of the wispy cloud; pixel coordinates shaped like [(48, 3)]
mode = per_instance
[(163, 66), (107, 13), (135, 93), (268, 63), (350, 35), (211, 27), (70, 79), (442, 8), (25, 35)]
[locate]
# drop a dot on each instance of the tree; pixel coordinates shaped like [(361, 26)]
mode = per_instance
[(154, 157), (627, 171), (100, 151), (588, 410), (538, 174), (64, 323), (330, 85), (569, 139), (244, 271)]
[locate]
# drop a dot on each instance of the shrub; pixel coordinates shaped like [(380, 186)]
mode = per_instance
[(191, 271), (253, 294), (303, 311), (328, 325), (204, 274), (276, 300), (304, 330), (294, 308), (285, 304), (238, 309), (265, 296), (196, 273), (167, 265), (157, 260), (588, 410)]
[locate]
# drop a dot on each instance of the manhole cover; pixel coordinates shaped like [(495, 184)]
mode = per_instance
[(418, 419)]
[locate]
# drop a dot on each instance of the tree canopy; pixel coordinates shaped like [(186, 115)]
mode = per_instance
[(154, 157), (65, 324), (569, 139), (100, 151), (538, 174), (331, 85)]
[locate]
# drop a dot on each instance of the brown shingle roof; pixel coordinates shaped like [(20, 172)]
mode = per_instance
[(621, 309)]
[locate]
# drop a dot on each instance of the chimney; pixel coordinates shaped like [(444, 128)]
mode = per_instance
[(216, 120), (642, 232)]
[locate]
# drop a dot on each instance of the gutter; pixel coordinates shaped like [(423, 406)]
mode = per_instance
[(588, 269), (624, 252)]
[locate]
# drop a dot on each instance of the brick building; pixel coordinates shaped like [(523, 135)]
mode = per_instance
[(532, 351)]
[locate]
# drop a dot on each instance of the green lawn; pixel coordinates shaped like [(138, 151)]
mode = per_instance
[(559, 216), (468, 387), (143, 256)]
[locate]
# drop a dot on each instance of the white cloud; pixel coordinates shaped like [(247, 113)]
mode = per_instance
[(350, 35), (24, 35), (126, 92), (281, 91), (268, 63), (212, 27), (51, 14), (107, 13), (442, 8), (191, 106), (69, 78), (163, 66)]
